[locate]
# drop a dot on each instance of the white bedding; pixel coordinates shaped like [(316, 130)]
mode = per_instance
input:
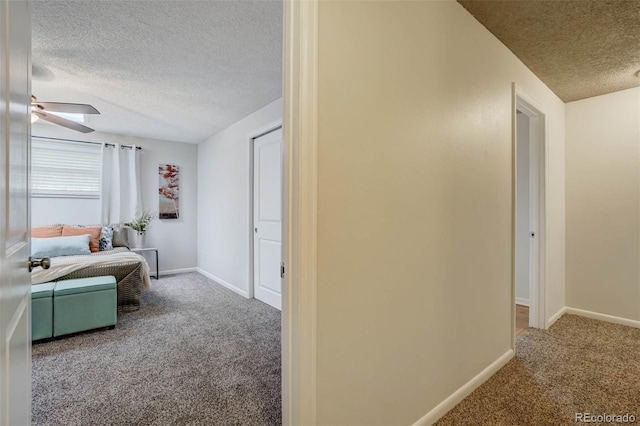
[(64, 265)]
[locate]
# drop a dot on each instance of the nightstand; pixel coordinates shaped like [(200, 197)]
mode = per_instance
[(142, 251)]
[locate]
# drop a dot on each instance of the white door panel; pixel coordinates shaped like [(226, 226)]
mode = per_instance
[(270, 266), (270, 181), (15, 280), (267, 217)]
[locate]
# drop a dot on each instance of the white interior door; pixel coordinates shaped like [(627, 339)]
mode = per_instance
[(523, 203), (267, 217), (537, 177), (15, 280)]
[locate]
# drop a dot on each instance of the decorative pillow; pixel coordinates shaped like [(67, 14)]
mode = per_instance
[(46, 231), (94, 242), (120, 237), (106, 238), (60, 246)]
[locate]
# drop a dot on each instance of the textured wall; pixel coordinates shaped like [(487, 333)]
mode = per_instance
[(415, 206), (603, 204)]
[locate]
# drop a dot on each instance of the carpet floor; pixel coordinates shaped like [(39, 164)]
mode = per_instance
[(195, 353), (579, 365)]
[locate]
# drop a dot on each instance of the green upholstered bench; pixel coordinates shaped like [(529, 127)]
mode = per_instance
[(84, 304), (42, 311)]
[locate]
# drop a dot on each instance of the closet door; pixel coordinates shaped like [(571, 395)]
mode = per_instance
[(267, 218)]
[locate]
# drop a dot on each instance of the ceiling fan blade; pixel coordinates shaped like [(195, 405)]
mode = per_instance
[(63, 122), (69, 108)]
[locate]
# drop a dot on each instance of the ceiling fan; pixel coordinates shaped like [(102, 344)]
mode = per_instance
[(47, 110)]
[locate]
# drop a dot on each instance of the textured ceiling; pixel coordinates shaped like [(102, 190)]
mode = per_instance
[(579, 48), (174, 70)]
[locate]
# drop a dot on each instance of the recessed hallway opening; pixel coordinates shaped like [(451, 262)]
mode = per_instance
[(529, 261), (523, 222)]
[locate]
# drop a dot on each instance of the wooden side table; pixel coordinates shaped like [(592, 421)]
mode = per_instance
[(141, 251)]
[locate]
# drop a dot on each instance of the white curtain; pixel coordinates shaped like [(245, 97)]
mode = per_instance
[(121, 196)]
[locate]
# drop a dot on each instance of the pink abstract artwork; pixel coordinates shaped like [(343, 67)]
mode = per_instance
[(169, 191)]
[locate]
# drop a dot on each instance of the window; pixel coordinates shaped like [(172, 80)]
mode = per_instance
[(73, 116), (65, 169)]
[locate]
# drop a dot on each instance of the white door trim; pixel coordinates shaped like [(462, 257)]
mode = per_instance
[(251, 138), (299, 219), (538, 137)]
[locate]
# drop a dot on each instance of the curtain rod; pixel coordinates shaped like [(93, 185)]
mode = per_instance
[(138, 148)]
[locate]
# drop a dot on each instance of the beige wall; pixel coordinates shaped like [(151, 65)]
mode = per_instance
[(603, 204), (415, 206)]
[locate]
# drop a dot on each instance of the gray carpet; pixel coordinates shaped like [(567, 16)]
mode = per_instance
[(196, 353), (579, 365)]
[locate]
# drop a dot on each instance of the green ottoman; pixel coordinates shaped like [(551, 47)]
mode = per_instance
[(84, 304), (42, 311)]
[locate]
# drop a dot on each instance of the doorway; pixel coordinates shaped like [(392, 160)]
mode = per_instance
[(267, 218), (529, 213), (523, 223)]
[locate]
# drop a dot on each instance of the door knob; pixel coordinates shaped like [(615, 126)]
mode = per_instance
[(45, 262), (255, 229)]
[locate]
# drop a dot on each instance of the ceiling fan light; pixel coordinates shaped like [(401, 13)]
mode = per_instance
[(34, 118)]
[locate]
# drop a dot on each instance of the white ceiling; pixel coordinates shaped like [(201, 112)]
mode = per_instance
[(174, 70)]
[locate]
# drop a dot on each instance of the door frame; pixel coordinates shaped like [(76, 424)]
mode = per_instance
[(538, 206), (252, 137), (299, 219)]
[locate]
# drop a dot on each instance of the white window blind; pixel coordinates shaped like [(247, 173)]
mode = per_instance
[(65, 169)]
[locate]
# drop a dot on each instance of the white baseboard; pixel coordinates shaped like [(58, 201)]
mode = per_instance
[(175, 271), (603, 317), (522, 301), (555, 317), (452, 400), (441, 409), (223, 283)]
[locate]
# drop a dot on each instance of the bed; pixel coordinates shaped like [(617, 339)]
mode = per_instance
[(130, 269)]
